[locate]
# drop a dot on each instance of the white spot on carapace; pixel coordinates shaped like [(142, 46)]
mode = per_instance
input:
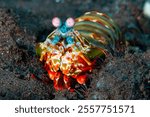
[(100, 13), (87, 13), (106, 26), (94, 20)]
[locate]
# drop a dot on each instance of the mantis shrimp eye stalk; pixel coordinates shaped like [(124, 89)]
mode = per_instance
[(56, 22), (70, 22), (72, 49)]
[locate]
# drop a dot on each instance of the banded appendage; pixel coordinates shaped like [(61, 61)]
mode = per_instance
[(99, 30)]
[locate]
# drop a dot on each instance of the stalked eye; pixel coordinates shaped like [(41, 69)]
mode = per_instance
[(70, 22), (56, 22)]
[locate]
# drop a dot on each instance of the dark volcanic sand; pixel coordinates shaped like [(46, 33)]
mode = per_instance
[(23, 23)]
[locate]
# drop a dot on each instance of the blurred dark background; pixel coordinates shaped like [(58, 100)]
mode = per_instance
[(124, 12), (23, 23)]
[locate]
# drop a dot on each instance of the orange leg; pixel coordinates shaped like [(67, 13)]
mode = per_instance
[(85, 59), (66, 81), (81, 79), (52, 75)]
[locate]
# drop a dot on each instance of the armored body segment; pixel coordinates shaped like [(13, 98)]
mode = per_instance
[(99, 30)]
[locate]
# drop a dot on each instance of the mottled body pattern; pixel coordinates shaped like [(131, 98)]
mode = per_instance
[(71, 50)]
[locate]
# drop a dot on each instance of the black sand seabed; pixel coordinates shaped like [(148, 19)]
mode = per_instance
[(23, 23)]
